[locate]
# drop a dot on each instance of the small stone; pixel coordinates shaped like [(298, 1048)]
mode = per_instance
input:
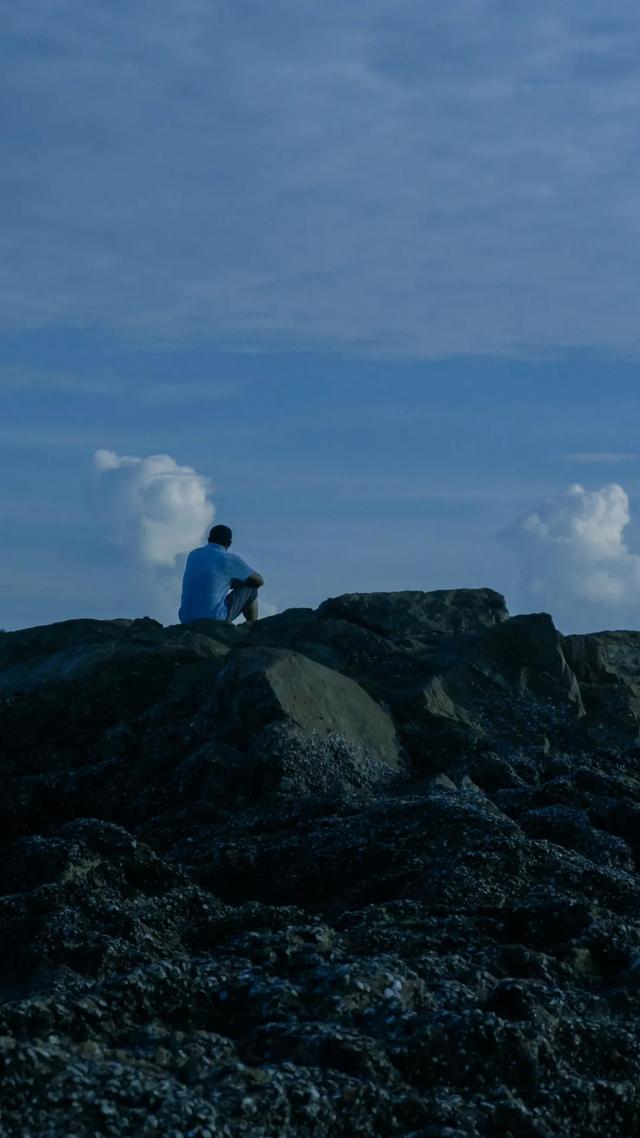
[(443, 782)]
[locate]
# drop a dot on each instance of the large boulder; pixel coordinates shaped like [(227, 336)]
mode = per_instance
[(607, 665), (372, 660), (604, 657), (73, 651), (526, 653), (455, 670), (63, 686), (314, 727), (414, 617), (511, 682)]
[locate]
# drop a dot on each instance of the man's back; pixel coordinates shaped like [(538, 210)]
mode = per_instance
[(207, 580)]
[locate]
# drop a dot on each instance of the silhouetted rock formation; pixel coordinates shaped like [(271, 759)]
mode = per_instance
[(371, 869)]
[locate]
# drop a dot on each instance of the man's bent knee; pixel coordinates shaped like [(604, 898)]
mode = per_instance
[(242, 600)]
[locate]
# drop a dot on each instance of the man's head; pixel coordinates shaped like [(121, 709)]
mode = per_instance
[(221, 535)]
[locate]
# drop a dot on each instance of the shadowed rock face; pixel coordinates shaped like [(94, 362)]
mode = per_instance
[(371, 869), (410, 617)]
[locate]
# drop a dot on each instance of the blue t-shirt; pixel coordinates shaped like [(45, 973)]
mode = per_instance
[(207, 580)]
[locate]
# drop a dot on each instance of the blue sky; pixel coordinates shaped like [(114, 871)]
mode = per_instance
[(369, 270)]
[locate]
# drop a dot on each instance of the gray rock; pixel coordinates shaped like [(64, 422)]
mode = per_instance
[(511, 681), (227, 908), (607, 665), (371, 659), (604, 657), (407, 617), (526, 653), (76, 651), (264, 686)]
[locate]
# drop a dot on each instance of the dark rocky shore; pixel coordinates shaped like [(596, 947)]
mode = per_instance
[(368, 870)]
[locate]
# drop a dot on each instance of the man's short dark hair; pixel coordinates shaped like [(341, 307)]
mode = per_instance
[(221, 535)]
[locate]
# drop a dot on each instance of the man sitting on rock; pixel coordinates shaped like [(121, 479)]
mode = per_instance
[(218, 585)]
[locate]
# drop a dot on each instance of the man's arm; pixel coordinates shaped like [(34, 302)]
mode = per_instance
[(255, 579), (244, 574)]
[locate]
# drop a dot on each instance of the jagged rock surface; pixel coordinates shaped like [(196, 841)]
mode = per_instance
[(371, 869)]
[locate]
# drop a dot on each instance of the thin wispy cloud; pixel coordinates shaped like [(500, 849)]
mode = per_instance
[(392, 178), (193, 390), (101, 381), (29, 379), (604, 458)]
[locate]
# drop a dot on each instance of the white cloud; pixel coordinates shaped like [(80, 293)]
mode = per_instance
[(599, 458), (27, 379), (155, 511), (391, 177), (575, 563)]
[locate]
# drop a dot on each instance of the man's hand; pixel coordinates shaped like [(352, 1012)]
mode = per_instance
[(255, 581)]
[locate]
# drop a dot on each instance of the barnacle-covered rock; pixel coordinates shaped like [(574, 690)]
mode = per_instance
[(371, 870)]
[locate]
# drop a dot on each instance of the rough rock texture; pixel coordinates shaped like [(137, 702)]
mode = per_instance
[(426, 620), (608, 667), (262, 686), (371, 869)]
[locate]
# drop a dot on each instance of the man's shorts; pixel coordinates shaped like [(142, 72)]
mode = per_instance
[(238, 599)]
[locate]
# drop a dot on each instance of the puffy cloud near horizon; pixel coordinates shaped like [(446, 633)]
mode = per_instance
[(155, 511), (574, 560)]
